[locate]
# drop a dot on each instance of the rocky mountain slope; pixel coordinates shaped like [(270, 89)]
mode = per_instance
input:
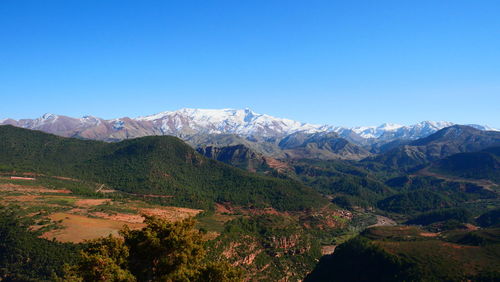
[(181, 123), (188, 122), (237, 155), (321, 145), (446, 142), (270, 136)]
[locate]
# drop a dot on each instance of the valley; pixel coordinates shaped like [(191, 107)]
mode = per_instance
[(249, 141), (273, 218)]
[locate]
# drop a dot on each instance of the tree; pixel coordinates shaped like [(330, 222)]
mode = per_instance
[(161, 251), (103, 259)]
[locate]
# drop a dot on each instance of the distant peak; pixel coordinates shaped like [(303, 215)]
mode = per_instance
[(49, 116), (437, 124), (243, 121), (390, 126)]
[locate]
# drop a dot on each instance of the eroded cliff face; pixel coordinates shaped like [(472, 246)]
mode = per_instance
[(288, 245), (278, 258), (250, 251), (277, 246)]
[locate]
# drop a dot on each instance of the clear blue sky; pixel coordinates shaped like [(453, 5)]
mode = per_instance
[(328, 62)]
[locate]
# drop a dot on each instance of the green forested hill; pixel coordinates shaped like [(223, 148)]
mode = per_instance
[(410, 254), (477, 165), (150, 165), (24, 256)]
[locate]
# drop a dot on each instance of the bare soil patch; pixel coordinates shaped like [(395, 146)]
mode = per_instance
[(220, 208), (383, 221), (428, 234), (167, 213), (77, 228), (170, 213), (21, 198), (22, 178), (472, 227), (91, 202), (277, 165), (456, 246), (328, 250), (104, 191), (33, 189), (124, 217), (65, 178)]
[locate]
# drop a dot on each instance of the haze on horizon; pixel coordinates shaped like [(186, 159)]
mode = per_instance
[(321, 62)]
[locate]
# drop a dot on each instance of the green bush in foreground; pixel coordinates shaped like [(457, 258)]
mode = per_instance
[(161, 251)]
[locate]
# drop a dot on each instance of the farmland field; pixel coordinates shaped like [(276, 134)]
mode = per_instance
[(68, 210)]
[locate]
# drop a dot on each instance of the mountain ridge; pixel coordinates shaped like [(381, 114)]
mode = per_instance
[(443, 143), (187, 122), (159, 165)]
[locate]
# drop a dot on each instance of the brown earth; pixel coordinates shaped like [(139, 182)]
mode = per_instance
[(383, 221), (220, 208), (104, 191), (77, 228), (35, 189), (457, 246), (21, 198), (124, 217), (170, 213), (75, 220), (469, 226), (428, 234), (22, 178), (328, 250), (277, 165), (91, 202), (65, 178)]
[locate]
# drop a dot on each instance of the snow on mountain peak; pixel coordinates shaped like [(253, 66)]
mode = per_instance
[(483, 127), (235, 121), (434, 124), (389, 126), (49, 116), (189, 121), (247, 122), (392, 130)]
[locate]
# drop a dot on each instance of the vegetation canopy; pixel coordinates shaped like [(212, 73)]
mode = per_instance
[(161, 251)]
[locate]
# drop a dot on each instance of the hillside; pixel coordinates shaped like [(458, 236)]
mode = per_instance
[(476, 165), (237, 155), (151, 165), (274, 224), (412, 254), (446, 142), (420, 194), (245, 122), (320, 146)]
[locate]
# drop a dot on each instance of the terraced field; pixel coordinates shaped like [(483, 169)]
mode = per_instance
[(70, 211)]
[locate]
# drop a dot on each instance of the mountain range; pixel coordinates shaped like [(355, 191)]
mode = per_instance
[(160, 165), (441, 144), (187, 122), (264, 134), (279, 209)]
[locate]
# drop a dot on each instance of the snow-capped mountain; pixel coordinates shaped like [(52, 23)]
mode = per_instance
[(226, 121), (188, 122), (391, 131), (482, 127)]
